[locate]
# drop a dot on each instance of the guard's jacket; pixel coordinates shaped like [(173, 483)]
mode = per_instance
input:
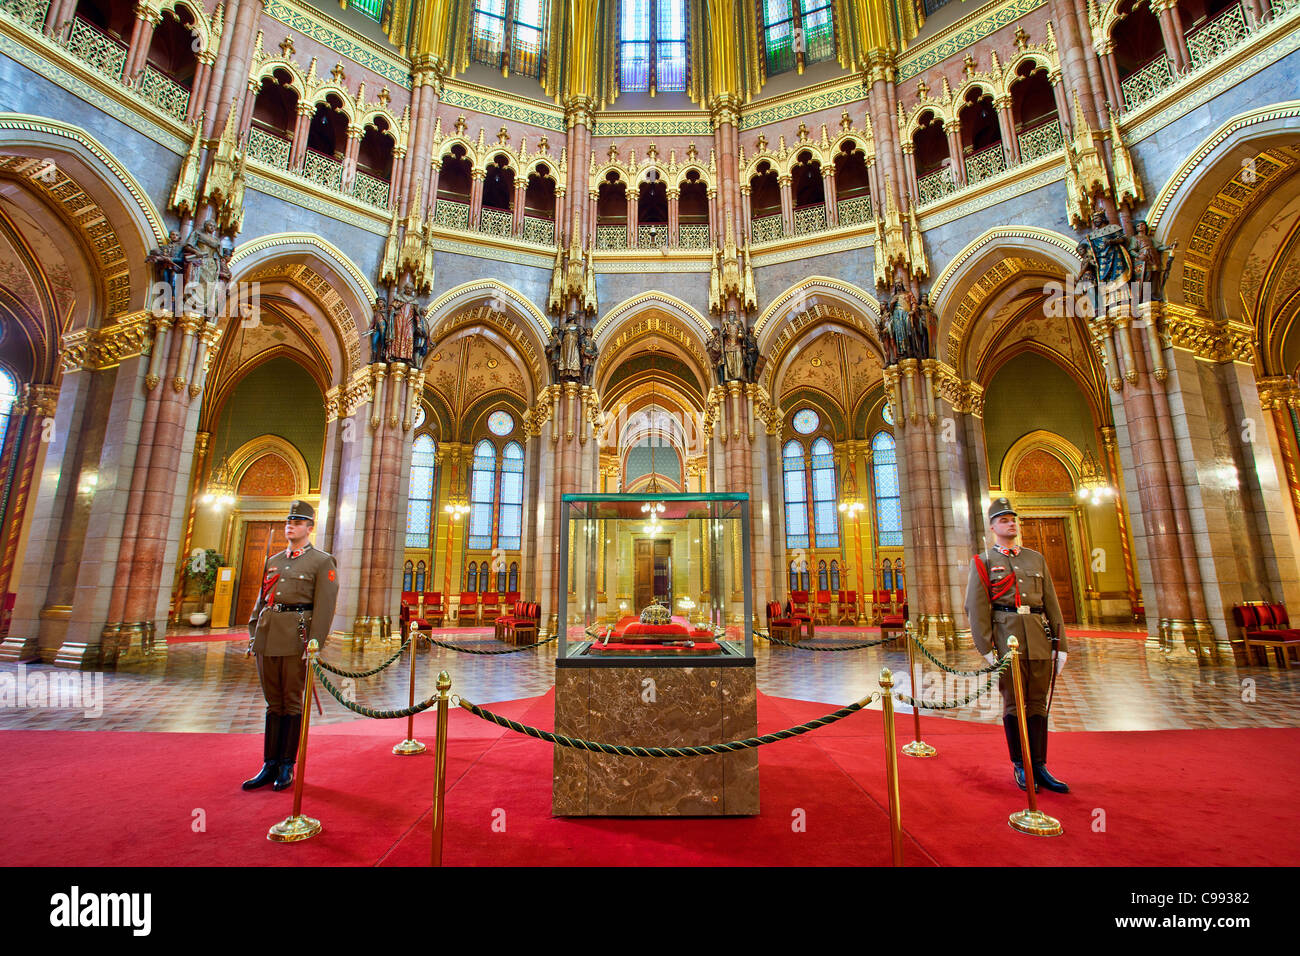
[(1032, 587), (310, 578)]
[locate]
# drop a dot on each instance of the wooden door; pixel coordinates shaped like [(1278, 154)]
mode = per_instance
[(257, 534), (664, 571), (1047, 536), (643, 578)]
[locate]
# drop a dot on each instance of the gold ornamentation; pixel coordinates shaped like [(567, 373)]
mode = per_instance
[(1193, 331), (95, 349)]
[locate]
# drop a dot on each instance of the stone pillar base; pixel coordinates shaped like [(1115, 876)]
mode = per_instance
[(1194, 640), (14, 649), (938, 627)]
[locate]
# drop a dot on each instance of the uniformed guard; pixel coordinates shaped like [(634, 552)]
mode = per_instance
[(1010, 592), (296, 605)]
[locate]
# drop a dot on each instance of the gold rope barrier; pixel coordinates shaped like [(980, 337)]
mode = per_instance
[(410, 745), (918, 747), (297, 827), (891, 768), (440, 770), (1032, 821)]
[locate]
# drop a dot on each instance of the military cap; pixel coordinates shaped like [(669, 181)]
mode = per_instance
[(999, 507), (300, 509)]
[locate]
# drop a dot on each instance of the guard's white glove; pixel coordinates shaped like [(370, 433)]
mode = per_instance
[(1060, 661), (991, 657)]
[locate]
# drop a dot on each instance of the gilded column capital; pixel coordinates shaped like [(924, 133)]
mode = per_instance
[(41, 400), (1194, 331), (95, 349), (724, 108), (1277, 391), (578, 111)]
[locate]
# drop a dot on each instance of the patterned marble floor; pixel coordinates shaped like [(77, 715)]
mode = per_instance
[(1108, 684)]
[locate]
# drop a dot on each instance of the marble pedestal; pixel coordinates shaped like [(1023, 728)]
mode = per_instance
[(648, 704)]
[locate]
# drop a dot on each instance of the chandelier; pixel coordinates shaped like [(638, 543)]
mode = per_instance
[(652, 508), (1093, 486)]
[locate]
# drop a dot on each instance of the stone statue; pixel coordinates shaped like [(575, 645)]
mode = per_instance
[(588, 353), (752, 359), (887, 348), (714, 348), (553, 352), (1150, 263), (202, 253), (401, 323), (733, 347), (224, 274), (169, 269), (901, 306), (421, 337), (570, 359), (378, 330), (924, 327), (1109, 247), (1085, 282)]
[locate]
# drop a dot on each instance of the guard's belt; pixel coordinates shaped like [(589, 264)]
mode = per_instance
[(1036, 609), (291, 607)]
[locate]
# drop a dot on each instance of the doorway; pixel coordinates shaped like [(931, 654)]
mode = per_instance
[(653, 574), (261, 538), (1047, 537)]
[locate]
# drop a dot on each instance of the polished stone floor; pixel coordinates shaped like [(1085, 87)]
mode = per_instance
[(1109, 683)]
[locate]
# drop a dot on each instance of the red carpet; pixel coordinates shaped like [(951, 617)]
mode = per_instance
[(1215, 797), (1107, 635), (205, 638)]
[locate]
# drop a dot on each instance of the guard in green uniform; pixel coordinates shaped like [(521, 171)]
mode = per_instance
[(1010, 593), (296, 605)]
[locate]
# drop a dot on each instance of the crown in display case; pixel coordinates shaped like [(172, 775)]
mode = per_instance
[(656, 613)]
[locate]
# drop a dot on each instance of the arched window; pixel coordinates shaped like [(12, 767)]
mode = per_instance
[(507, 35), (823, 581), (8, 395), (887, 576), (512, 497), (796, 496), (419, 576), (884, 473), (652, 46), (406, 577), (374, 9), (825, 514), (791, 26), (419, 502), (471, 577), (835, 575), (513, 583), (482, 494)]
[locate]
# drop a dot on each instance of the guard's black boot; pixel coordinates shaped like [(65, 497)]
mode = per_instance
[(270, 754), (1013, 747), (289, 729), (1038, 744)]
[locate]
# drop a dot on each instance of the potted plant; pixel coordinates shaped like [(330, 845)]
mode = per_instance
[(201, 577)]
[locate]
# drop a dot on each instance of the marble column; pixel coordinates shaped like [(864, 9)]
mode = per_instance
[(955, 152), (828, 189), (298, 148), (787, 206), (137, 51), (674, 216), (1008, 128), (350, 153), (1172, 34)]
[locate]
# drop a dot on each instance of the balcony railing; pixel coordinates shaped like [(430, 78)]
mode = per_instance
[(164, 92), (1147, 82), (96, 48), (934, 186), (765, 229), (1041, 140), (268, 148), (810, 219), (853, 211), (451, 215), (371, 190), (645, 239), (611, 237), (539, 231), (30, 13), (323, 170), (1211, 40), (496, 222), (986, 163), (693, 236)]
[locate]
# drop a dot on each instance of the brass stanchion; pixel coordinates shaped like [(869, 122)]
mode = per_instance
[(918, 747), (297, 827), (891, 768), (410, 745), (1032, 821), (440, 769)]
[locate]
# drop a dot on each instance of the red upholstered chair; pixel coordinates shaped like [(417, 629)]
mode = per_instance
[(489, 605), (847, 610), (434, 611), (894, 623), (822, 609), (1266, 627), (509, 598), (799, 602), (501, 627), (879, 605), (779, 626), (406, 611), (468, 606), (802, 618), (524, 629)]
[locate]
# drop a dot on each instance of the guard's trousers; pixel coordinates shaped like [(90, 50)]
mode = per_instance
[(283, 679), (1037, 678)]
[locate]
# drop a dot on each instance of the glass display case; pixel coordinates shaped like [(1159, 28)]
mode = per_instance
[(655, 576)]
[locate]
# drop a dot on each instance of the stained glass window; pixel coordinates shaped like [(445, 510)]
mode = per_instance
[(887, 575), (419, 505), (823, 581), (513, 28), (8, 395), (805, 421), (889, 511), (482, 492), (513, 584), (887, 414), (649, 27), (374, 9), (419, 576), (796, 496), (501, 423), (406, 577), (471, 579), (512, 497), (793, 25), (835, 575), (825, 513)]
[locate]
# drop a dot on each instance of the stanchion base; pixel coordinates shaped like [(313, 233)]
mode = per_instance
[(1035, 823), (293, 829), (407, 747), (919, 748)]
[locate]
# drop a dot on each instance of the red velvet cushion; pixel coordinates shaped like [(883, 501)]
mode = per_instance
[(823, 597), (658, 630), (490, 597), (783, 622), (468, 597), (1280, 617), (701, 647), (1243, 616), (1264, 614)]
